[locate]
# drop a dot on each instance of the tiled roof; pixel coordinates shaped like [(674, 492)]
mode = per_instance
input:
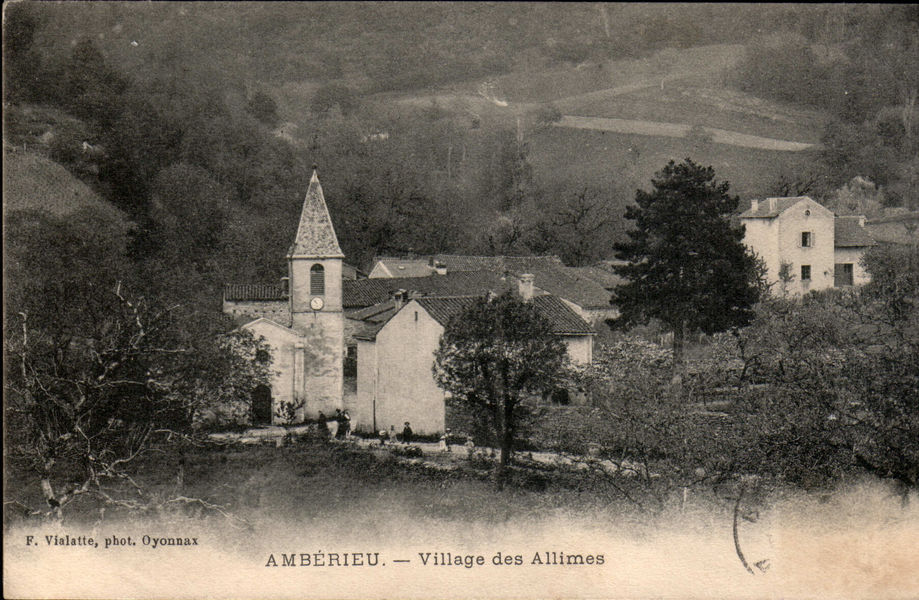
[(315, 234), (444, 309), (586, 288), (367, 292), (405, 267), (573, 284), (551, 275), (518, 264), (253, 292), (421, 267), (605, 277), (563, 320), (375, 313), (850, 233), (772, 207)]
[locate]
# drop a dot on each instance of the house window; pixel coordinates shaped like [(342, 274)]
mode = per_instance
[(807, 239), (317, 281), (805, 272), (844, 274)]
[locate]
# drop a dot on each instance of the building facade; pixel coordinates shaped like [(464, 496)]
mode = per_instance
[(395, 379), (804, 246)]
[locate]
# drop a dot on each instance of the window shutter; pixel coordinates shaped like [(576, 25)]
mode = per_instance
[(317, 281)]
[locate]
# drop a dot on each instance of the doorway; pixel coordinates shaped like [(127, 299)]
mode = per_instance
[(261, 405)]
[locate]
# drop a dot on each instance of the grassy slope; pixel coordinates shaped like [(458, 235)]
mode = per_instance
[(311, 482), (593, 158), (708, 105), (34, 182), (693, 93)]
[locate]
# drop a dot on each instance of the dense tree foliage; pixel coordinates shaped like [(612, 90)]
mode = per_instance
[(687, 265), (859, 65), (810, 394), (493, 357), (98, 366)]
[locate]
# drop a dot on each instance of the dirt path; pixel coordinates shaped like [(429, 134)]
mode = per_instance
[(680, 130)]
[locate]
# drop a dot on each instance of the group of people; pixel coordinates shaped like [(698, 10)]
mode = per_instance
[(408, 436), (338, 427)]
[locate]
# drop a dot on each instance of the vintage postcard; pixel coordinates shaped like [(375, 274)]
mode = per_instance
[(460, 300)]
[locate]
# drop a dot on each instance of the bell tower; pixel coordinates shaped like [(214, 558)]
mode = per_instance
[(314, 267)]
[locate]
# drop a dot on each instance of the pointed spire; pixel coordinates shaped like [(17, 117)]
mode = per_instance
[(315, 234)]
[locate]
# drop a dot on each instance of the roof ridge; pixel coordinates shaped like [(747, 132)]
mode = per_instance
[(497, 255)]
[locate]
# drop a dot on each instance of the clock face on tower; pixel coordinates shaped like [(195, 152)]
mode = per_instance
[(316, 303)]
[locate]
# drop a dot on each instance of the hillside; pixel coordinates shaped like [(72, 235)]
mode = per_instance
[(463, 127), (34, 182), (622, 120)]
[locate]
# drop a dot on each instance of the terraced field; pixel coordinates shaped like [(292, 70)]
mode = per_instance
[(680, 130)]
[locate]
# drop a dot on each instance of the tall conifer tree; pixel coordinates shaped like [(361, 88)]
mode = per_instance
[(687, 266)]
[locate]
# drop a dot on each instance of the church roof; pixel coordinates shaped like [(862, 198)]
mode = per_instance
[(315, 234), (236, 292)]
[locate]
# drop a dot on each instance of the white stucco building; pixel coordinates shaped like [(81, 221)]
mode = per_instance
[(804, 246), (395, 380)]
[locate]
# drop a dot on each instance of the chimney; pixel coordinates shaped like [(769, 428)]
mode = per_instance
[(771, 204), (399, 297), (525, 286), (440, 268), (754, 205), (861, 220), (285, 285)]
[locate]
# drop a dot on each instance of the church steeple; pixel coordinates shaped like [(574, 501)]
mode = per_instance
[(314, 271), (315, 234)]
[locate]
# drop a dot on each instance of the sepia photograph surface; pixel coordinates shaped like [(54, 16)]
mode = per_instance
[(460, 300)]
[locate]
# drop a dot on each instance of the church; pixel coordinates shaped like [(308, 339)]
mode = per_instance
[(381, 333), (301, 320)]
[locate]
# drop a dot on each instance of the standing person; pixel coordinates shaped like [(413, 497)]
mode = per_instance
[(470, 448), (445, 442), (407, 434), (339, 424), (323, 426), (346, 424)]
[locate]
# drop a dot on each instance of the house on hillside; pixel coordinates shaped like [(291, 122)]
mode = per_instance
[(804, 246), (395, 381)]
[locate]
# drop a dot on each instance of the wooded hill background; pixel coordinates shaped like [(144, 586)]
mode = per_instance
[(193, 127)]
